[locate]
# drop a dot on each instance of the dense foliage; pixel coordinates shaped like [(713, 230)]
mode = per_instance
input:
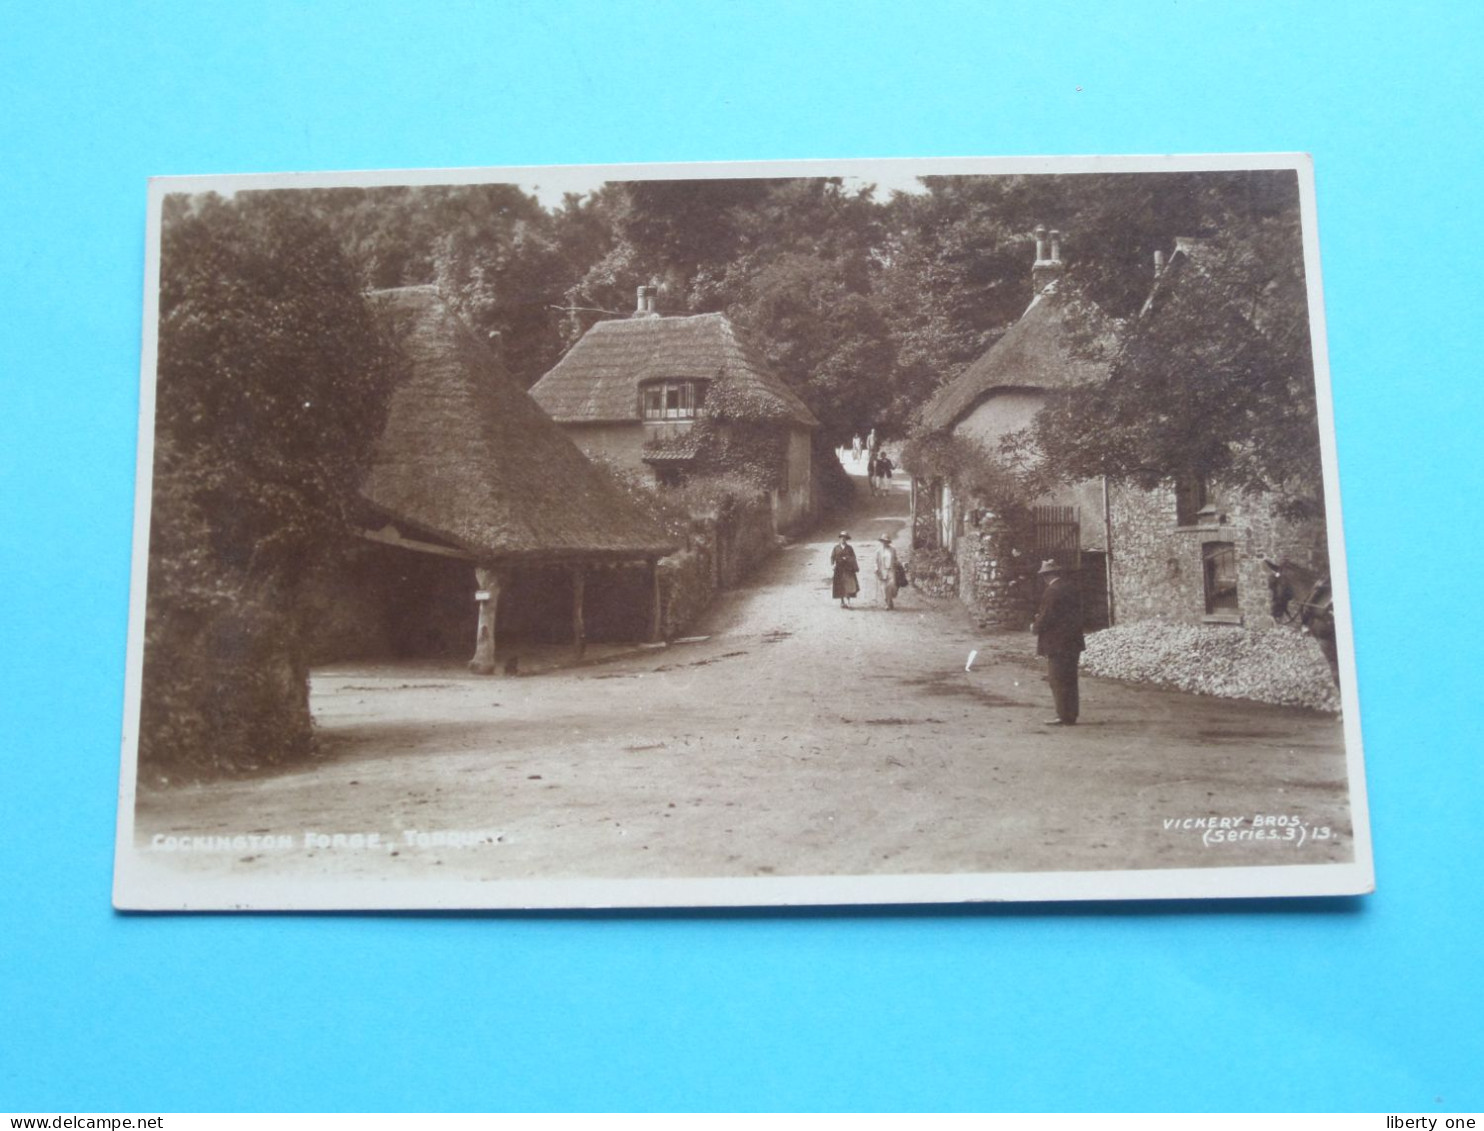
[(1213, 380), (272, 380), (867, 305)]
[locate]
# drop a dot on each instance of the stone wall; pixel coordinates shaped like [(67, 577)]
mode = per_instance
[(996, 576), (1158, 566), (934, 572)]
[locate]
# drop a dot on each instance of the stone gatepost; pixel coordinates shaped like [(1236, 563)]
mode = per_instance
[(1002, 593)]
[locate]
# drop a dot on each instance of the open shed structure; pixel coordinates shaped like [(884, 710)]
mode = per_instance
[(469, 468)]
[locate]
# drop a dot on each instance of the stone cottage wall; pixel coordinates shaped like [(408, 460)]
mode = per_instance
[(1158, 566), (996, 576)]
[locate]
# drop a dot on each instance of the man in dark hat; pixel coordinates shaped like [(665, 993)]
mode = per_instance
[(1058, 629)]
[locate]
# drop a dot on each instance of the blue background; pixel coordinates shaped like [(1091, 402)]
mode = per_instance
[(1369, 1004)]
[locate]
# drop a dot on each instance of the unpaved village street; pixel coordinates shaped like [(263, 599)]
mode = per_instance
[(798, 739)]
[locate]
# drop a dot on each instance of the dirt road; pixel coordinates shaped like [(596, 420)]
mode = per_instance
[(798, 739)]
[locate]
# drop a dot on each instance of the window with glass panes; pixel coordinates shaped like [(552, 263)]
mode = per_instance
[(671, 399)]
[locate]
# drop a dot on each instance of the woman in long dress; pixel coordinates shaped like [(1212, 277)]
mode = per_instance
[(842, 558)]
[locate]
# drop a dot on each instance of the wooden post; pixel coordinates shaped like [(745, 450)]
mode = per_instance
[(912, 512), (579, 630), (656, 618), (488, 581)]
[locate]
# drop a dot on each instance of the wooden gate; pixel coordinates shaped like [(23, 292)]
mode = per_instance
[(1058, 538), (1058, 535)]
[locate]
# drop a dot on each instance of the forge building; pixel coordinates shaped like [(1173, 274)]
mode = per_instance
[(484, 525)]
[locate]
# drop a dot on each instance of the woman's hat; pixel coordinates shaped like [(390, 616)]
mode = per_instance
[(885, 538), (1050, 565), (845, 534)]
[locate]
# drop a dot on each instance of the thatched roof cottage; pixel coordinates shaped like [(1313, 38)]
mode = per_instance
[(1000, 393), (682, 396), (1181, 551), (469, 468)]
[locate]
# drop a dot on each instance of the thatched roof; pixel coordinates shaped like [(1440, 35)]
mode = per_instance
[(467, 457), (1041, 351), (598, 379)]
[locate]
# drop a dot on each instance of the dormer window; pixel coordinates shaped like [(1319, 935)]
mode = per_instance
[(671, 399)]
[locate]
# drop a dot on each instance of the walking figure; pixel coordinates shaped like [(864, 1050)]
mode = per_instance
[(855, 448), (884, 468), (887, 570), (842, 558)]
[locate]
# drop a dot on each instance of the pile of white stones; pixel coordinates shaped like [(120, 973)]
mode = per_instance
[(1273, 665)]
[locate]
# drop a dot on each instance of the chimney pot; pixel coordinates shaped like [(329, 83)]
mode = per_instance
[(639, 298), (1159, 264), (1047, 268)]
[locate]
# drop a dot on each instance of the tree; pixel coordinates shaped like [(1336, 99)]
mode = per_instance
[(1213, 381), (272, 383)]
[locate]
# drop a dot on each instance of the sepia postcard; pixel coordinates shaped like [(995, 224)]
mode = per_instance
[(796, 533)]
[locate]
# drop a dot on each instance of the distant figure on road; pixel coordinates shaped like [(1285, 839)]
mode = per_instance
[(871, 441), (886, 572), (855, 447), (842, 558), (884, 468), (1058, 628)]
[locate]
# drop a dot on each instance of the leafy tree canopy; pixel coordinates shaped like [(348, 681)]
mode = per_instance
[(1213, 380), (866, 306), (273, 375)]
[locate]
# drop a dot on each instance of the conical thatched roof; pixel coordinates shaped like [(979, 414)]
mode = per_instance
[(467, 457), (598, 379), (1041, 351)]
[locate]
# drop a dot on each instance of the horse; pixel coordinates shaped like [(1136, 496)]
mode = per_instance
[(1314, 612)]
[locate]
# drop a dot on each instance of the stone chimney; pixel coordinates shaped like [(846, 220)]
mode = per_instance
[(644, 303), (1048, 266), (1159, 264)]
